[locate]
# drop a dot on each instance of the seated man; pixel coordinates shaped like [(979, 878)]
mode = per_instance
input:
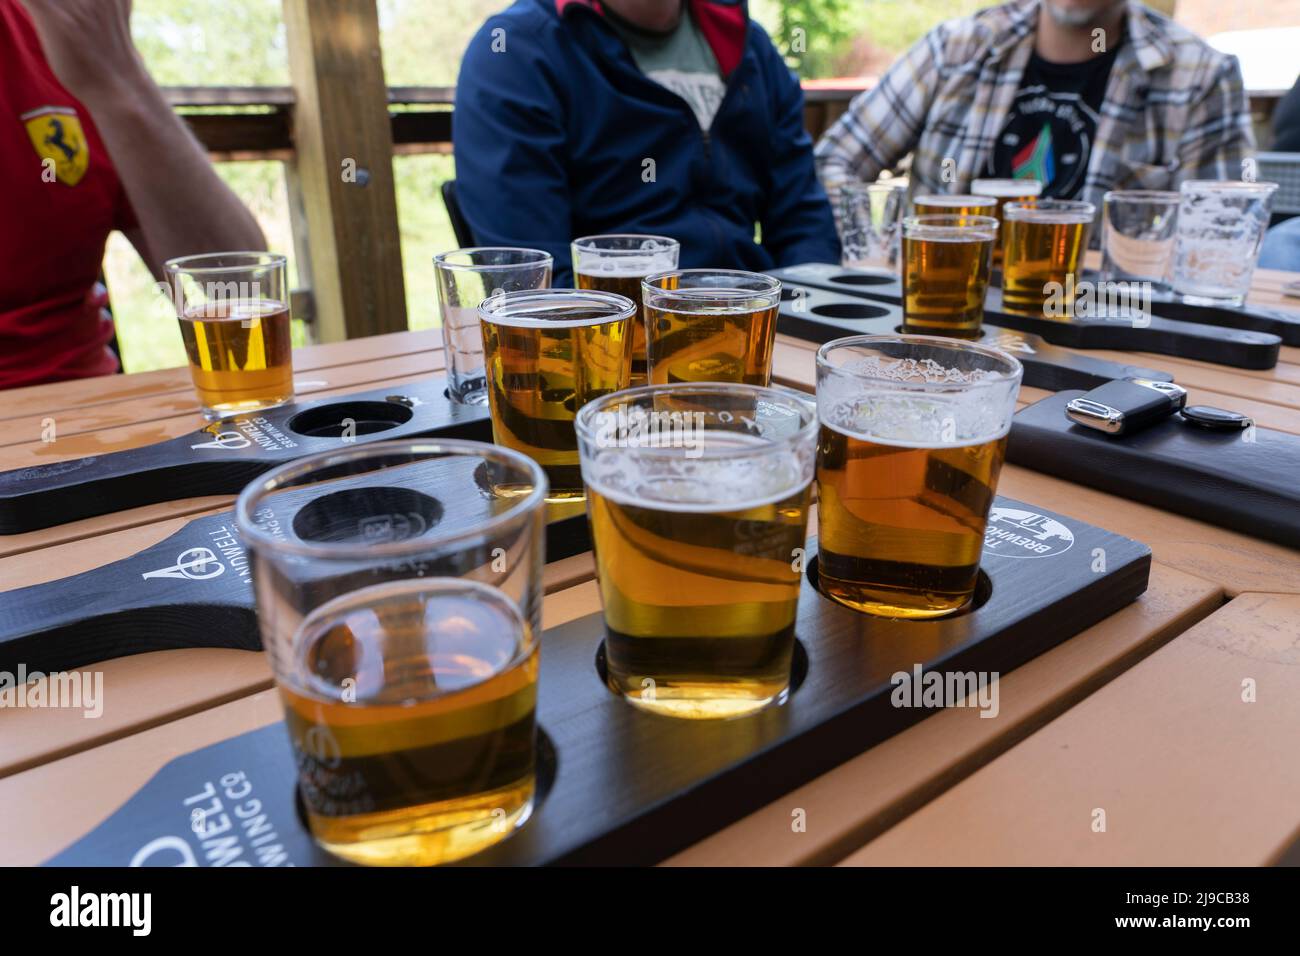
[(89, 145), (1083, 95), (673, 117)]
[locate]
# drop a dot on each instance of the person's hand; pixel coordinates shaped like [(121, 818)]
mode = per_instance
[(87, 44)]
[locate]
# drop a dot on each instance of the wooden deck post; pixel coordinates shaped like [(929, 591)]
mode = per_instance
[(344, 145)]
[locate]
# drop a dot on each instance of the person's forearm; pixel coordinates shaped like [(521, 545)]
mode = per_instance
[(180, 203)]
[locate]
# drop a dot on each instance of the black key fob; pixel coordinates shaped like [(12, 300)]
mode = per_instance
[(1215, 419), (1123, 407)]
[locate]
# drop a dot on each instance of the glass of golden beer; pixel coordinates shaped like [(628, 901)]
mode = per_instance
[(710, 325), (946, 265), (1003, 191), (547, 353), (1043, 246), (913, 433), (951, 205), (698, 498), (398, 590), (619, 263), (234, 314)]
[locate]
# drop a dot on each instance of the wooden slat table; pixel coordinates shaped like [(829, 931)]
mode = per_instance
[(1141, 716)]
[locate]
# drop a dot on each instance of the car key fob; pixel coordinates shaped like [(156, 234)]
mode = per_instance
[(1122, 407), (1215, 419)]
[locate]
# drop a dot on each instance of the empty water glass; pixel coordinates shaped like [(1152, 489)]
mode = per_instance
[(870, 220), (465, 278), (1137, 236), (1220, 228)]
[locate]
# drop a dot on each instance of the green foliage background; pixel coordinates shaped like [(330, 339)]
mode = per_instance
[(242, 42)]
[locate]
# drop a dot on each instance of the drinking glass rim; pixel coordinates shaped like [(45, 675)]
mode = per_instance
[(772, 285), (1008, 180), (935, 224), (1224, 185), (1054, 210), (586, 433), (993, 378), (942, 198), (1141, 195), (189, 264), (625, 307), (271, 481), (668, 240), (859, 186), (541, 258)]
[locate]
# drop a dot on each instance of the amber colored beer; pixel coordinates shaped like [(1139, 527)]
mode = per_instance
[(710, 326), (913, 435), (901, 528), (619, 263), (240, 354), (945, 205), (699, 604), (410, 707), (947, 261), (547, 353), (1004, 191), (1044, 244), (699, 511)]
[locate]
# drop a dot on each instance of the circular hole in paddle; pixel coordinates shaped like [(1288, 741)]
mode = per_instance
[(369, 515), (798, 668), (548, 764), (865, 278), (347, 419), (850, 310), (983, 591)]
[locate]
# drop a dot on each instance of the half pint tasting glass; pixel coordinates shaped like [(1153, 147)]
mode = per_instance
[(618, 263), (710, 325), (399, 597), (950, 205), (698, 498), (548, 353), (1004, 191), (1137, 236), (869, 218), (234, 314), (1043, 243), (1221, 226), (913, 433), (946, 266), (465, 278)]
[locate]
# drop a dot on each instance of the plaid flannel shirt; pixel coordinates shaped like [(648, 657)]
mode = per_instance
[(1174, 109)]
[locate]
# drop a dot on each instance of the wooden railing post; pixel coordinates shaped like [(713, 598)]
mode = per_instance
[(344, 145)]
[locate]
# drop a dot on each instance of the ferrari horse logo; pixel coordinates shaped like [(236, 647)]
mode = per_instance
[(56, 133)]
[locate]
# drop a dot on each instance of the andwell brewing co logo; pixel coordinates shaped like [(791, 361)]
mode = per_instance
[(1013, 533)]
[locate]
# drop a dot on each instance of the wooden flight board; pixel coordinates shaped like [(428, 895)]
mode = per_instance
[(1243, 480), (621, 786), (1275, 320), (194, 588), (221, 458), (1113, 329), (819, 315)]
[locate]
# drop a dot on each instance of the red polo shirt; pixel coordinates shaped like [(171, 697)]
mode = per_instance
[(60, 199)]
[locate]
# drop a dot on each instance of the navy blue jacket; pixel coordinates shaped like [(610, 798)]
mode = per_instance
[(558, 134)]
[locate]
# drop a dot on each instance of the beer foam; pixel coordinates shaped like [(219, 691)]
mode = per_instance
[(914, 370), (1006, 188), (917, 420), (622, 267), (734, 473)]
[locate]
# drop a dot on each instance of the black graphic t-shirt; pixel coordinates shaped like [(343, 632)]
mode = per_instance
[(1052, 124)]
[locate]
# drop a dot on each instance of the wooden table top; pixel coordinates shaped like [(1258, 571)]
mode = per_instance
[(1141, 716)]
